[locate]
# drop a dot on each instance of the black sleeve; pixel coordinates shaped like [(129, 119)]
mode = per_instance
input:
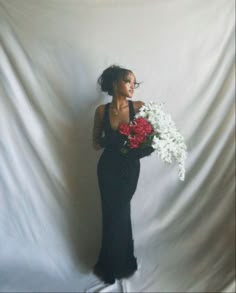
[(103, 142), (140, 153)]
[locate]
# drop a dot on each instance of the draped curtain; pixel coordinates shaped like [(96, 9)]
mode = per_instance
[(51, 54)]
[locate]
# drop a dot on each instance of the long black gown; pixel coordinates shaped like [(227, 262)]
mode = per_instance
[(116, 258)]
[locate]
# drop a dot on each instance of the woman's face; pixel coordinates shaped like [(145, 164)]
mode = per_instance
[(125, 86)]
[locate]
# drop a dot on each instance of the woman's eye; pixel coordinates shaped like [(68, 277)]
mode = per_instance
[(136, 84), (128, 80)]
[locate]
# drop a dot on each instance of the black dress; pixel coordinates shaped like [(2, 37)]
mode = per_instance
[(117, 178)]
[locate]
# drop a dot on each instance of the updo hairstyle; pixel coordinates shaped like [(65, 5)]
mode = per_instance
[(111, 74)]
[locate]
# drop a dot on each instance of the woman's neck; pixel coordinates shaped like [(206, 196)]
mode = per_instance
[(119, 102)]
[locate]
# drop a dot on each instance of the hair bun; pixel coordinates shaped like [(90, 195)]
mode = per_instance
[(109, 75)]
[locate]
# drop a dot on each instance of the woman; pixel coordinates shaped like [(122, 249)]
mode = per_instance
[(117, 174)]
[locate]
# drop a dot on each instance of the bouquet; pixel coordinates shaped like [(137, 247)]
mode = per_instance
[(152, 127)]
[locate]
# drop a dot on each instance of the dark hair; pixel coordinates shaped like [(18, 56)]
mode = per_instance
[(111, 74)]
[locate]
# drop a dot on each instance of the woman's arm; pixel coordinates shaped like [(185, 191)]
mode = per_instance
[(97, 127)]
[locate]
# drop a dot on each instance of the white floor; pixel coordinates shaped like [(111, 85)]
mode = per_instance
[(99, 286)]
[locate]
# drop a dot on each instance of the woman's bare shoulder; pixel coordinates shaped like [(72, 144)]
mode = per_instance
[(100, 109), (137, 105)]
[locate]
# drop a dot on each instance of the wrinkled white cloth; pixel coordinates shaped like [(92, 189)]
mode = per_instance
[(51, 54)]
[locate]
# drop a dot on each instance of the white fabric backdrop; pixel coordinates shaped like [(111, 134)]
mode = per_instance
[(51, 54)]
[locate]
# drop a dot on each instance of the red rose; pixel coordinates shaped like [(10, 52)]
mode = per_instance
[(141, 121), (140, 137), (144, 124), (124, 129), (133, 142), (148, 129), (137, 129)]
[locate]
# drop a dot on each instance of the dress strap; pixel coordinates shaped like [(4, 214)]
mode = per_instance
[(105, 121), (131, 110), (105, 117)]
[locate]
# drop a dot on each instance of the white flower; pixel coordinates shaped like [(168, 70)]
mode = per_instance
[(168, 143)]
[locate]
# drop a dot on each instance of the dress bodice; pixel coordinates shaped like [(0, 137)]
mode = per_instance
[(106, 121)]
